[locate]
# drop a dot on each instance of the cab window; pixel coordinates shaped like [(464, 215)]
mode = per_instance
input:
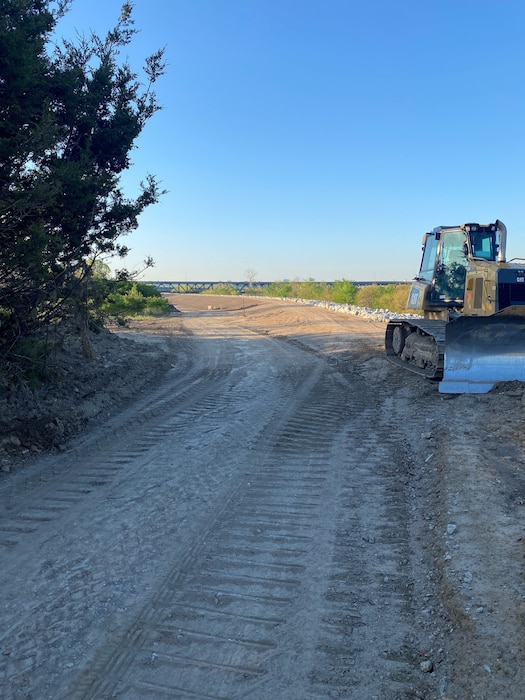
[(483, 245), (452, 266), (428, 264)]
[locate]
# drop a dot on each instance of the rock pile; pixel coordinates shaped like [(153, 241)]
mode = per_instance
[(383, 315)]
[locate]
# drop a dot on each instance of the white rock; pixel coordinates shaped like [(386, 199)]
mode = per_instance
[(426, 666)]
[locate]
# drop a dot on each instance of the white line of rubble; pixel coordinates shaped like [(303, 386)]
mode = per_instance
[(362, 311)]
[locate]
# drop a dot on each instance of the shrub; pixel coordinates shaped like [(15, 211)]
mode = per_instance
[(276, 289), (344, 292), (134, 299), (392, 296), (223, 289)]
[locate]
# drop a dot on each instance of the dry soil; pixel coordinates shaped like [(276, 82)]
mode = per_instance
[(246, 500)]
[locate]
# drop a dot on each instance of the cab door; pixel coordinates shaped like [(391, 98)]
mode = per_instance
[(451, 267)]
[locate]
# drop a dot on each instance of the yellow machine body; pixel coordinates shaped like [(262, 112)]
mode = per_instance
[(472, 331)]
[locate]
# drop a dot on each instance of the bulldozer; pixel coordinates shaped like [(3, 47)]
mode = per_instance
[(471, 334)]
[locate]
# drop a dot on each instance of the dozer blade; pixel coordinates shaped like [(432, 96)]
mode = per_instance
[(483, 350)]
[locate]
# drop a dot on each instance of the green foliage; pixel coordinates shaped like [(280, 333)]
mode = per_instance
[(344, 292), (146, 290), (369, 297), (121, 299), (99, 269), (31, 354), (393, 296), (4, 315), (310, 289), (225, 289), (276, 289), (70, 114), (307, 289)]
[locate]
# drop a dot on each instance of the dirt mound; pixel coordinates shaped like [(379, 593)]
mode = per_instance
[(83, 390)]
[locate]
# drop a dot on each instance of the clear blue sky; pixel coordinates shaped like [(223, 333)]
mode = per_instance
[(322, 138)]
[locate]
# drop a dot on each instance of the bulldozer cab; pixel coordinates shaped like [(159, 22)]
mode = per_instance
[(440, 284), (451, 268), (447, 253)]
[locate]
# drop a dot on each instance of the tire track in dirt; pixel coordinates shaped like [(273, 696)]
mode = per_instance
[(124, 658), (371, 634), (277, 538), (210, 626), (301, 583), (50, 493), (187, 475)]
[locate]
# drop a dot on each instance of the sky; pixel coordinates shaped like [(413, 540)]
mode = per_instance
[(321, 139)]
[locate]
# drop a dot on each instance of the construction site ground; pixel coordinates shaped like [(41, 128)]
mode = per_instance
[(246, 500)]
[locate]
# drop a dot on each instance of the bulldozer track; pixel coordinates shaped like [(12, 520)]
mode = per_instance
[(431, 328)]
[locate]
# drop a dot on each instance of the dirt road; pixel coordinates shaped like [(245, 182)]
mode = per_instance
[(285, 516)]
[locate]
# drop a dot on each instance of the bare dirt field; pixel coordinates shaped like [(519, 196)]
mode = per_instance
[(246, 500)]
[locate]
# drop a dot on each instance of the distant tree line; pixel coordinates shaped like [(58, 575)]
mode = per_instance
[(70, 113), (375, 296)]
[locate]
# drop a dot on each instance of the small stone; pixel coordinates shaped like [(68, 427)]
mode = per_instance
[(468, 576), (444, 685), (14, 441), (451, 528), (426, 666)]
